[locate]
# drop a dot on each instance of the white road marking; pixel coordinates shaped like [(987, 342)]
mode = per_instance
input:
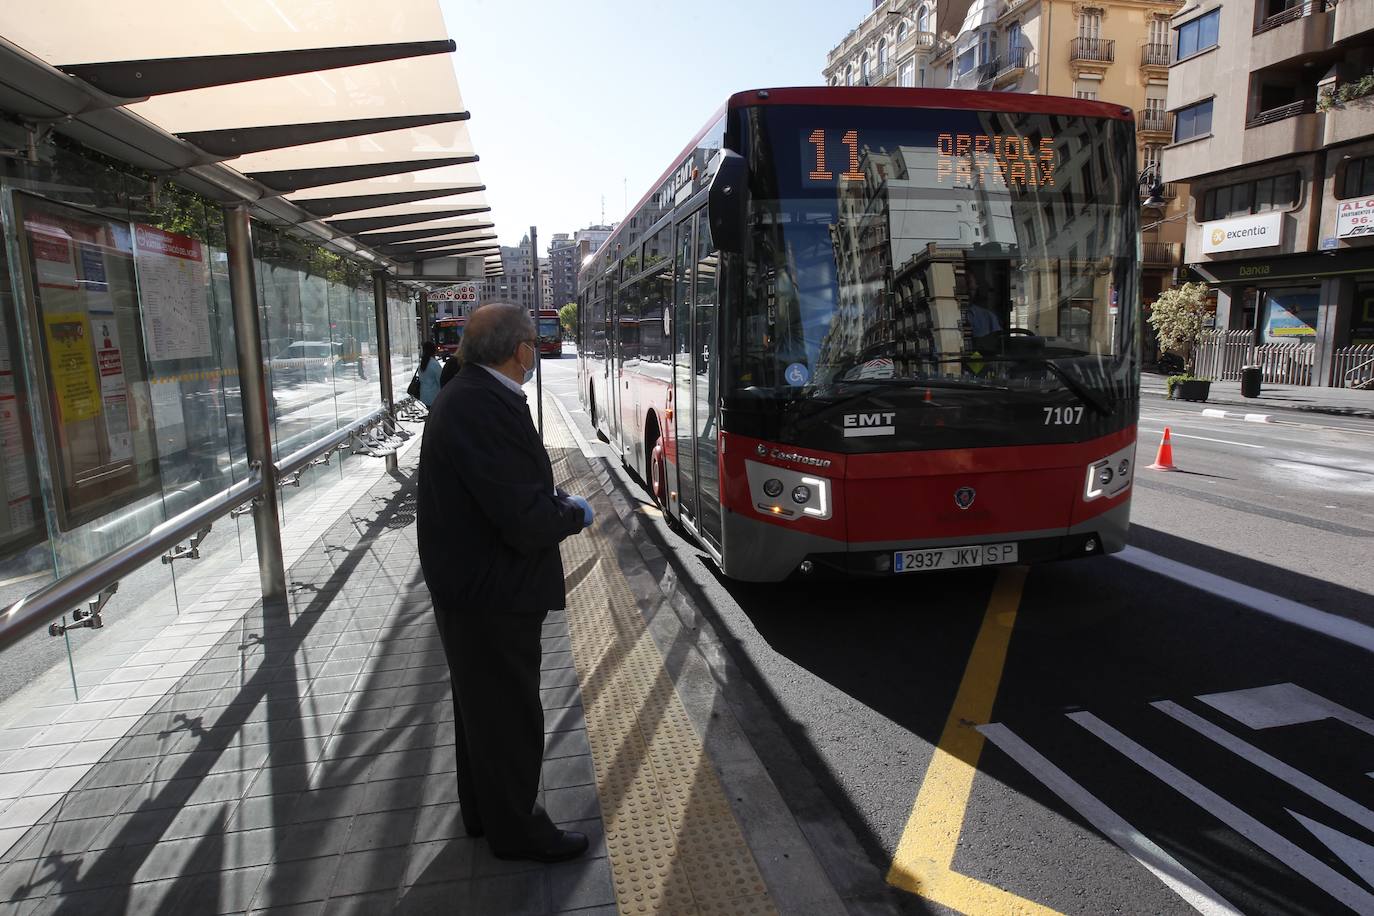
[(1283, 704), (1203, 438), (1135, 844), (1305, 784), (1319, 873), (1358, 854), (1309, 618)]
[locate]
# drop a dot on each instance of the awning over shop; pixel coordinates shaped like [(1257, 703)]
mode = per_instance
[(342, 118)]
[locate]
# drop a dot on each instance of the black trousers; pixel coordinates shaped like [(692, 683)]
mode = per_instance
[(493, 663)]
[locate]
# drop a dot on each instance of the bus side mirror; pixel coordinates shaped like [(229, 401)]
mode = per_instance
[(728, 203)]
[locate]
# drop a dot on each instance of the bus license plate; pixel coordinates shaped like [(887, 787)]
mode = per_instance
[(953, 557)]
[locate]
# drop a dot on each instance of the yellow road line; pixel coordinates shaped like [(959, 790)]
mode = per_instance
[(923, 863)]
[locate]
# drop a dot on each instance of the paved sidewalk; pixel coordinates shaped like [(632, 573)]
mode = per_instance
[(1340, 402), (299, 757)]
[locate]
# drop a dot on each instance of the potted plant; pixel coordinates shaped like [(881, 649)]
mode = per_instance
[(1177, 317)]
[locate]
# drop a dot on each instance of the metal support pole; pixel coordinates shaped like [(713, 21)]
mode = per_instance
[(538, 304), (422, 309), (384, 350), (257, 426)]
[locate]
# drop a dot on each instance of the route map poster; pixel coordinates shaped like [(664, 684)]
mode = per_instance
[(174, 288)]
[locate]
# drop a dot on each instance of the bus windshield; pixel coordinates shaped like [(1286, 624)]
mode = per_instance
[(548, 328), (922, 247), (448, 335)]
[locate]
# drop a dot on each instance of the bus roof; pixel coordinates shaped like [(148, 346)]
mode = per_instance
[(897, 97)]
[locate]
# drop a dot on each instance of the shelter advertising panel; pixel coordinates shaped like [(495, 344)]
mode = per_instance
[(83, 306)]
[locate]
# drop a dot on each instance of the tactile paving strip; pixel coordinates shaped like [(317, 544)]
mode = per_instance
[(673, 841)]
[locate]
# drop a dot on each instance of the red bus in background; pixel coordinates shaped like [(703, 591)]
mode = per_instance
[(872, 331), (448, 334), (550, 334)]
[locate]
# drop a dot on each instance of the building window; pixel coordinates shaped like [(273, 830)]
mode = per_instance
[(1013, 39), (1193, 121), (1085, 94), (1090, 24), (882, 57), (1159, 31), (1198, 35), (923, 20), (901, 32), (849, 75), (1359, 178), (964, 63), (1153, 156), (864, 69), (1277, 192), (907, 76)]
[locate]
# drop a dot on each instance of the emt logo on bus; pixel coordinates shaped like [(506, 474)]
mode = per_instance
[(869, 424), (1018, 161)]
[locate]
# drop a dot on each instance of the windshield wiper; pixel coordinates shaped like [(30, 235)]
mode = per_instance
[(1095, 400)]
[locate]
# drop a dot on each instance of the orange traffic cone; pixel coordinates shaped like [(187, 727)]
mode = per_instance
[(1164, 460)]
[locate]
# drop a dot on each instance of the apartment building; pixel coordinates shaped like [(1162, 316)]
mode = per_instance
[(891, 47), (1112, 51), (1277, 144)]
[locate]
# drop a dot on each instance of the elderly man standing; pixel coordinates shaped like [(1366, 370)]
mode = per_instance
[(490, 521)]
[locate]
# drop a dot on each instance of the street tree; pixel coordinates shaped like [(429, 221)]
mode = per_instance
[(1177, 317), (567, 317)]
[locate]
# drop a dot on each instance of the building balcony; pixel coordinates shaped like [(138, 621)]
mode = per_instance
[(1350, 19), (1302, 29), (1160, 254), (1151, 121), (1282, 131), (1155, 54), (939, 48), (1009, 69), (1101, 50), (1352, 121)]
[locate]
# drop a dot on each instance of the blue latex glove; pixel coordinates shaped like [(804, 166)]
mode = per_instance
[(586, 507)]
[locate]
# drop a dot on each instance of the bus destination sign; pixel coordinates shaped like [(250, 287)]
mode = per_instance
[(1013, 162)]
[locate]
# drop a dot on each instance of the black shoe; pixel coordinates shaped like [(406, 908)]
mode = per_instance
[(569, 844)]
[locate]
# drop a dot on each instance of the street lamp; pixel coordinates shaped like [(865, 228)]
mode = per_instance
[(1154, 186)]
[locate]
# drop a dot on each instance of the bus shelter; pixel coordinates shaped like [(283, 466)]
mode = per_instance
[(217, 223)]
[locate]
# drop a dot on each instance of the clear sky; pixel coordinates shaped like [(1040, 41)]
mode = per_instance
[(575, 100)]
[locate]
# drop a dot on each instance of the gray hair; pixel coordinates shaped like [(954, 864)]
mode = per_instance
[(493, 333)]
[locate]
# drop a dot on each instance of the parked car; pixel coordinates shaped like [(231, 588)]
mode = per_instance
[(306, 361)]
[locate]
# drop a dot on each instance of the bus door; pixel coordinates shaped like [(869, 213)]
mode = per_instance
[(706, 372), (696, 420), (611, 409), (684, 259)]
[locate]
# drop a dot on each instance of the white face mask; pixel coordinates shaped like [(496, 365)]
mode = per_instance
[(529, 373)]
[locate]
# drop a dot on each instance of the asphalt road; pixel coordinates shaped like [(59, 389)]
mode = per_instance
[(1185, 727)]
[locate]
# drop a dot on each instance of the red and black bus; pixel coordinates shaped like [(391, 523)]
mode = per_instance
[(893, 330), (550, 334), (448, 334)]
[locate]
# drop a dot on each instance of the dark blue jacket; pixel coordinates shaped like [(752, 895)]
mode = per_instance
[(489, 518)]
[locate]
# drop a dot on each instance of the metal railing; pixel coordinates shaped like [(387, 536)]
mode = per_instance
[(1155, 54), (1103, 49), (1222, 354), (1283, 112), (1353, 366), (1157, 253), (1292, 14), (59, 597), (1155, 121)]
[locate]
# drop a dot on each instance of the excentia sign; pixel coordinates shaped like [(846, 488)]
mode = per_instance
[(1261, 231)]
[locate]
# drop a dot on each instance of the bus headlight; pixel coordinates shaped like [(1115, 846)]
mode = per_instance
[(1110, 475), (785, 494)]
